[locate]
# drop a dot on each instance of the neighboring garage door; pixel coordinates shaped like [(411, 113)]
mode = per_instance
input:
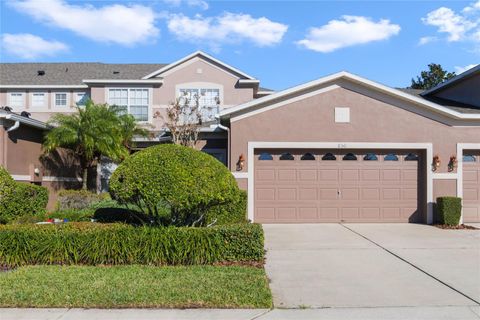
[(299, 186), (471, 186)]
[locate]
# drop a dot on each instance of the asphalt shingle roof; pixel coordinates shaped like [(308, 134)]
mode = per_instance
[(70, 73)]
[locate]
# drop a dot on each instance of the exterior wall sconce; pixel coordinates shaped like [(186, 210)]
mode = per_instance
[(36, 171), (452, 164), (436, 163), (241, 162)]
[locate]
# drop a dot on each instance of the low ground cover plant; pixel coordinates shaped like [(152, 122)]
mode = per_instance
[(120, 244), (18, 199), (449, 210)]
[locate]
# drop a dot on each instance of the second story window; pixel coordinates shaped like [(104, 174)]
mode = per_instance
[(60, 100), (134, 101), (208, 101), (16, 99), (38, 99), (81, 98)]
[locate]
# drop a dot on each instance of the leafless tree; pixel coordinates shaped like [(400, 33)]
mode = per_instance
[(184, 120)]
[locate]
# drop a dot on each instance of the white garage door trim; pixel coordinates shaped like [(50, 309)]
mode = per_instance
[(252, 145), (460, 148)]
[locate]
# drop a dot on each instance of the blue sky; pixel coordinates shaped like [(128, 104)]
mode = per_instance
[(282, 43)]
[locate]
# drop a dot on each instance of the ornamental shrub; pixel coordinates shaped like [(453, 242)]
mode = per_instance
[(449, 210), (120, 244), (232, 212), (79, 199), (18, 199), (187, 181)]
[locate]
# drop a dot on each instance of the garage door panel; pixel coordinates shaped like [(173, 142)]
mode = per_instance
[(470, 194), (335, 190), (308, 213), (265, 194), (307, 194), (287, 174), (287, 194)]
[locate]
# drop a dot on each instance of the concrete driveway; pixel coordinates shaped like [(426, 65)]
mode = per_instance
[(372, 265)]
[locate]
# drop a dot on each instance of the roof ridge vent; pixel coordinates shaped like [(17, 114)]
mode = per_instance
[(41, 72)]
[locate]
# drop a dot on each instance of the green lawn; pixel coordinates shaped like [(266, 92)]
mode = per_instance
[(135, 286)]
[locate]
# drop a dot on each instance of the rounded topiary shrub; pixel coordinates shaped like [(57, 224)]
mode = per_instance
[(7, 185), (187, 181)]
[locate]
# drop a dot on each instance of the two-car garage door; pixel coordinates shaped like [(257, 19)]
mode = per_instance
[(299, 186)]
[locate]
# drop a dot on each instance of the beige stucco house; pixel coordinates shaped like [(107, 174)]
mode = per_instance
[(340, 148)]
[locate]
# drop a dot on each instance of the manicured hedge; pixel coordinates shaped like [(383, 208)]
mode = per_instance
[(18, 199), (449, 210), (119, 244)]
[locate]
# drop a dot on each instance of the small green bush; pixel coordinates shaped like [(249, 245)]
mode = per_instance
[(449, 210), (187, 181), (18, 199), (232, 212), (118, 244), (78, 199)]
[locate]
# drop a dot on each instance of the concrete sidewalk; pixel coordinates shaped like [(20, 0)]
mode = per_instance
[(395, 313)]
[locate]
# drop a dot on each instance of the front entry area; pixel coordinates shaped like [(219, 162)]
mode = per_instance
[(338, 185)]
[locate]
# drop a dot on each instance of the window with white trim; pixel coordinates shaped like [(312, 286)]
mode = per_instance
[(38, 99), (16, 99), (60, 100), (134, 101), (208, 100), (81, 98)]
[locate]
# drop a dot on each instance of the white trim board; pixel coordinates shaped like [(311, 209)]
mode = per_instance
[(460, 148), (200, 54), (256, 104), (252, 145)]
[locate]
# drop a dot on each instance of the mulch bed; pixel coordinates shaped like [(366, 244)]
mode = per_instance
[(459, 227)]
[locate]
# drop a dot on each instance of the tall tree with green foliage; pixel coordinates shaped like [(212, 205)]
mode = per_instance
[(431, 78), (93, 131)]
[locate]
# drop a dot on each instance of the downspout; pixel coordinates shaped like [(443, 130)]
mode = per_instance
[(229, 143), (15, 126)]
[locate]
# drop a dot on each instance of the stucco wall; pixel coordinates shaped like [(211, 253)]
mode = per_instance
[(372, 120)]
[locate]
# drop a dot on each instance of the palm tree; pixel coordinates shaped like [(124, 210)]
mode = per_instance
[(93, 131)]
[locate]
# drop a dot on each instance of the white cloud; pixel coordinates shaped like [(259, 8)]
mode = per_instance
[(116, 23), (447, 21), (29, 46), (191, 3), (463, 26), (472, 8), (346, 32), (226, 28), (425, 40), (459, 70)]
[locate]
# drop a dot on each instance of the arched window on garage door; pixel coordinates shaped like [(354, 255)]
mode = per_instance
[(390, 157), (308, 156), (350, 157), (287, 156), (370, 157), (329, 157), (468, 158), (265, 156), (411, 157)]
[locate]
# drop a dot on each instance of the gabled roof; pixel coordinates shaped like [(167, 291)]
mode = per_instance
[(285, 94), (203, 55), (69, 74), (461, 76)]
